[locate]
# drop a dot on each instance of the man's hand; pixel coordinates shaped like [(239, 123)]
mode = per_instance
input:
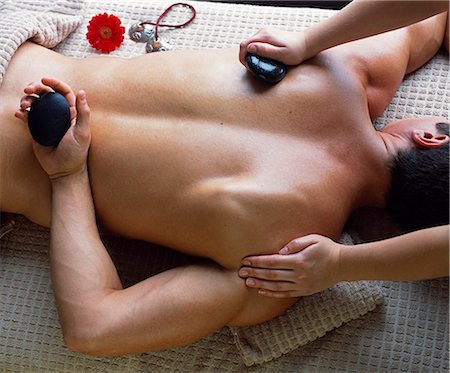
[(304, 266), (70, 156), (283, 46)]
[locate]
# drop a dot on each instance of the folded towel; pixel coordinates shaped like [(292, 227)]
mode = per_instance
[(44, 21)]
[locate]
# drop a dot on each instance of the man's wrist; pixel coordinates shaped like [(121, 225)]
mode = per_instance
[(69, 177)]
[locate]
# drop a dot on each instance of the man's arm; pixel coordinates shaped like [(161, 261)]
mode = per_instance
[(315, 263), (383, 61), (175, 307), (97, 315)]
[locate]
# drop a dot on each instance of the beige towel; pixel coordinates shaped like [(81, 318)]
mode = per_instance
[(217, 25), (44, 21)]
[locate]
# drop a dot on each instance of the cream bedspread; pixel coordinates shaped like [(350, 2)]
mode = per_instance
[(30, 338)]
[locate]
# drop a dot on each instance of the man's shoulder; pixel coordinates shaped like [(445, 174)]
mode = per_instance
[(377, 72)]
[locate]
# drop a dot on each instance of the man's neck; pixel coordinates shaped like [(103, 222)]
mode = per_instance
[(376, 173)]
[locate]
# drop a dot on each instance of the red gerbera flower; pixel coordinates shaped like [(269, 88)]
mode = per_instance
[(105, 32)]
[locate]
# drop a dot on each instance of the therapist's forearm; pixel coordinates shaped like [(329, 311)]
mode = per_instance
[(418, 255), (363, 18)]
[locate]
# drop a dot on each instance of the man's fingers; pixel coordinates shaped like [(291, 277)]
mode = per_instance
[(22, 115), (50, 85), (83, 114), (82, 105), (62, 88), (26, 102), (37, 88)]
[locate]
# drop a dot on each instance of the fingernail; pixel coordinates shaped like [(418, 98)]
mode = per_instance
[(250, 282), (284, 251), (246, 262), (251, 48), (243, 272), (261, 291)]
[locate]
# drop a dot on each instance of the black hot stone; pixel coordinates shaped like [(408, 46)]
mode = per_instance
[(49, 119), (266, 69)]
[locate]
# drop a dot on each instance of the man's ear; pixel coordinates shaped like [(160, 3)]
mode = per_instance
[(427, 140)]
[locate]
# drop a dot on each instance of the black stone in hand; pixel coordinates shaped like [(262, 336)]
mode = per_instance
[(49, 119), (266, 69)]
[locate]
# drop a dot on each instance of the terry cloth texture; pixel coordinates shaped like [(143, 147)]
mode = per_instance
[(408, 332), (29, 320), (308, 319), (43, 21)]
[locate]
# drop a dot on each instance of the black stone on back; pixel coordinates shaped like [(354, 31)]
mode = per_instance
[(266, 69), (49, 119)]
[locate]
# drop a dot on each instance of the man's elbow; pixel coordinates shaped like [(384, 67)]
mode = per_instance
[(91, 332), (78, 339), (76, 344)]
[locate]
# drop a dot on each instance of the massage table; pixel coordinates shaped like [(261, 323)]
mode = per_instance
[(378, 326)]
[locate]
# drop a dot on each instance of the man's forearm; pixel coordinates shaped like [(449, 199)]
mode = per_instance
[(414, 256), (80, 264), (363, 18)]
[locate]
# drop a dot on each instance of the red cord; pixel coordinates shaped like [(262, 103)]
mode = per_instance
[(164, 14)]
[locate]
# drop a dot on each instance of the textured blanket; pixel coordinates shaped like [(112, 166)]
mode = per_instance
[(30, 337), (45, 22)]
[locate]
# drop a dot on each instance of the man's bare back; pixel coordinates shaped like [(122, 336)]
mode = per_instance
[(191, 152), (203, 155)]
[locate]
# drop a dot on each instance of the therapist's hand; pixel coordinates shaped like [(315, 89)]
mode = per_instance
[(304, 266), (287, 47)]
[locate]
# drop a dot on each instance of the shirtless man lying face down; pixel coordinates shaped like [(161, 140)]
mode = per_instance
[(197, 155)]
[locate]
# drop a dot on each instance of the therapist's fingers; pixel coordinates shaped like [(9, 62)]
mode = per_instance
[(267, 50), (280, 294), (275, 261), (278, 286), (267, 274), (243, 52), (263, 35)]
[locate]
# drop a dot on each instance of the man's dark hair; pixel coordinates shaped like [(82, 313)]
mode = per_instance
[(419, 193)]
